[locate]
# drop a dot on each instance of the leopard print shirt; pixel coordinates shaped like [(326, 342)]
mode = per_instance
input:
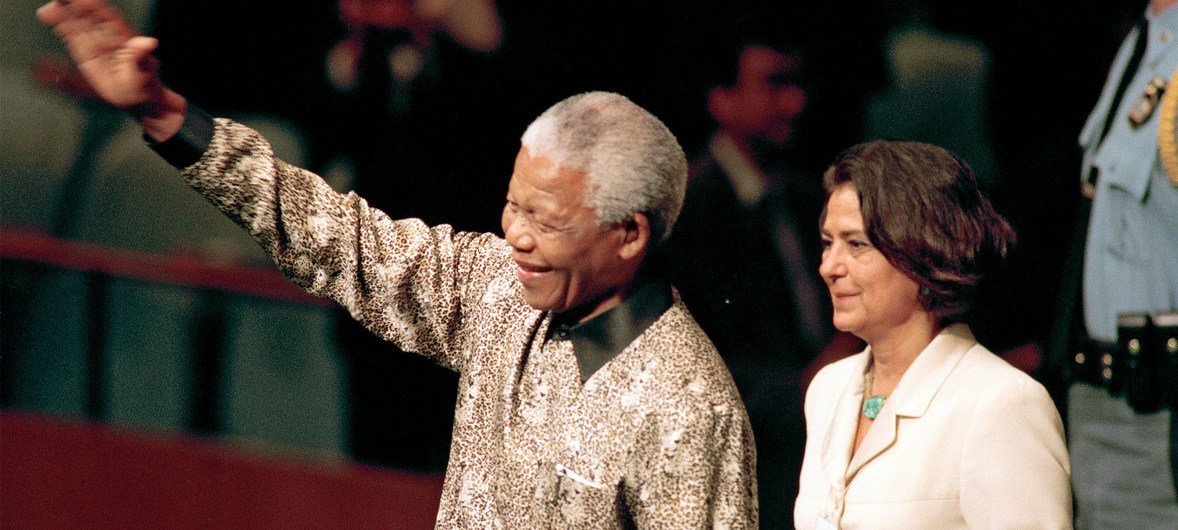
[(656, 438)]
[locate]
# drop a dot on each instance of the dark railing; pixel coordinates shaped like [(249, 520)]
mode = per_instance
[(61, 470), (36, 254)]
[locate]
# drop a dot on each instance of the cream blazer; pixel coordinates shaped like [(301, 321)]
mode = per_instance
[(964, 441)]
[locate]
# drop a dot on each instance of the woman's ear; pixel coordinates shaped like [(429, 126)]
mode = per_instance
[(635, 236)]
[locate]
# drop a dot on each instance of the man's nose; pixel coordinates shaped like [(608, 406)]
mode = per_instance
[(791, 100), (515, 231)]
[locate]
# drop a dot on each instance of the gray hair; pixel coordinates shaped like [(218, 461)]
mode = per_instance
[(633, 162)]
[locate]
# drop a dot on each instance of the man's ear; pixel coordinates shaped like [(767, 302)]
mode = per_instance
[(635, 236), (719, 104)]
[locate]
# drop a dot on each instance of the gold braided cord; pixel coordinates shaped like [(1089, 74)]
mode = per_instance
[(1167, 140)]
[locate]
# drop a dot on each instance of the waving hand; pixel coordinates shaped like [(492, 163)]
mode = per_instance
[(116, 62)]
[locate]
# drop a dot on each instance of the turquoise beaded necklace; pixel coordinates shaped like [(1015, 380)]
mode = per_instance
[(873, 404)]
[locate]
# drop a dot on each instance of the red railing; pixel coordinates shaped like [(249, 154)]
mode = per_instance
[(265, 282)]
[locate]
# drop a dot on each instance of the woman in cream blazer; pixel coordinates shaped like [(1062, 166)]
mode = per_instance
[(925, 428)]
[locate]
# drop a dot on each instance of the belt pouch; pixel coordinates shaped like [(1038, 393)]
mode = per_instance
[(1164, 341), (1143, 367)]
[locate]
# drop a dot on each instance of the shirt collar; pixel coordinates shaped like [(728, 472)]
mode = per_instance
[(747, 180), (601, 338)]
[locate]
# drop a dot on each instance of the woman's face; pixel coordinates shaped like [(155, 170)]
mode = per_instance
[(872, 298)]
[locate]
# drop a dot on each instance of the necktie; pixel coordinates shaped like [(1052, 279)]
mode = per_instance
[(1139, 46), (1084, 206), (810, 312), (1088, 190)]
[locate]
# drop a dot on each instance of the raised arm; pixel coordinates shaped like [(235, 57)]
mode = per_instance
[(116, 62), (405, 281)]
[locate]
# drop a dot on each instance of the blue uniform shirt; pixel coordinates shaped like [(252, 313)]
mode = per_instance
[(1131, 256)]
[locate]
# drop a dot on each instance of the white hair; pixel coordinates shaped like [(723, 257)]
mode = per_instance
[(633, 162)]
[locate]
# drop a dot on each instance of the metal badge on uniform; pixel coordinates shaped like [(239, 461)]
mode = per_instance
[(1150, 97)]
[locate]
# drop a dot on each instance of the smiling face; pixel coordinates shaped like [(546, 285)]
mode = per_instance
[(872, 298), (566, 261)]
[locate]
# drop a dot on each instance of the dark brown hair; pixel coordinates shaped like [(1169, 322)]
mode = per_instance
[(923, 210)]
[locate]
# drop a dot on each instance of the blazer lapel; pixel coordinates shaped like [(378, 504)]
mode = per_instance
[(840, 434), (915, 393), (880, 437)]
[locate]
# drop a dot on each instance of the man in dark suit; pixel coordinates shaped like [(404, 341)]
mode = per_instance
[(745, 255)]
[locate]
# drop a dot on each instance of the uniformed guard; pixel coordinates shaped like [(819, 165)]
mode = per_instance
[(1117, 321)]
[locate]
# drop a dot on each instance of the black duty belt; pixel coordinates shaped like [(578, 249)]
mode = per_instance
[(1141, 365)]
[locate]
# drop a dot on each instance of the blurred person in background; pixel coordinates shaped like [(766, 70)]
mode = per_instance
[(745, 252)]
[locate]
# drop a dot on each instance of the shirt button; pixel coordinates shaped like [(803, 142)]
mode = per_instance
[(1165, 37)]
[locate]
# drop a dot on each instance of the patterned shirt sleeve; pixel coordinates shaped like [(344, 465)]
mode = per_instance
[(405, 281)]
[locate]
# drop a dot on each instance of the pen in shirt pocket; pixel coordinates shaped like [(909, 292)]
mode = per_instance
[(563, 471)]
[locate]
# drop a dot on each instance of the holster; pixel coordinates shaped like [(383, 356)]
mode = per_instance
[(1142, 364), (1164, 341)]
